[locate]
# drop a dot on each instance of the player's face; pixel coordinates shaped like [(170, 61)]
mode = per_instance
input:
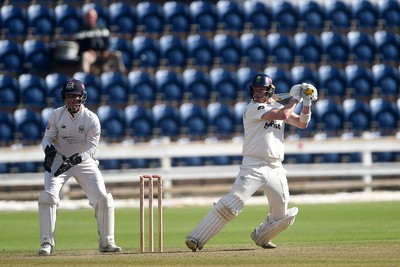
[(73, 102), (260, 94)]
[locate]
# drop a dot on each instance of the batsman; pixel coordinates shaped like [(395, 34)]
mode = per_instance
[(70, 143), (264, 122)]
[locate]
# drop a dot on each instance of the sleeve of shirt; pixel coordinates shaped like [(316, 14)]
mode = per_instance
[(92, 139), (50, 132)]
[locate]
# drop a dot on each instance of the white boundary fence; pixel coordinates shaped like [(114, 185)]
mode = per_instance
[(166, 150)]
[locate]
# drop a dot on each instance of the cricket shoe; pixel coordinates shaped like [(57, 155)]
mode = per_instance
[(110, 248), (46, 249), (268, 245), (192, 244)]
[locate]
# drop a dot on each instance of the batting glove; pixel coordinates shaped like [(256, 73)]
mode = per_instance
[(68, 163), (295, 92), (309, 94)]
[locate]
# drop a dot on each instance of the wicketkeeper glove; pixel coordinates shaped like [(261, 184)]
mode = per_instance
[(68, 163), (50, 152), (309, 94), (295, 92)]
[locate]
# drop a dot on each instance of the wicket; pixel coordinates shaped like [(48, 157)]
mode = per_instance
[(150, 179)]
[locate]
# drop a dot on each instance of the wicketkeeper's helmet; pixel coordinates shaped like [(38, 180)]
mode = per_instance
[(75, 87), (262, 80)]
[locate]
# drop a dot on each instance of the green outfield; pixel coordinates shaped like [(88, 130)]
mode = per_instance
[(351, 234)]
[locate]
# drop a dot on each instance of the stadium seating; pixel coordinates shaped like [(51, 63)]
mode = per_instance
[(224, 84), (230, 16), (166, 121), (169, 85), (308, 48), (329, 117), (114, 88), (203, 17), (200, 51), (281, 48), (54, 84), (356, 115), (196, 84), (92, 86), (28, 126), (68, 19), (386, 80), (335, 47), (364, 14), (304, 74), (227, 50), (193, 121), (281, 78), (387, 46), (361, 47), (332, 81), (142, 86), (11, 57), (40, 20), (125, 47), (9, 94), (7, 128), (122, 18), (338, 15), (45, 115), (257, 16), (383, 116), (139, 122), (150, 18), (312, 16), (32, 90), (221, 120), (389, 12), (286, 16), (13, 21), (146, 51), (359, 81), (112, 122), (238, 109), (245, 76), (37, 56), (173, 51), (254, 48), (176, 17)]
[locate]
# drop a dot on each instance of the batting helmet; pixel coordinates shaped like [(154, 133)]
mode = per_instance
[(262, 80), (75, 87)]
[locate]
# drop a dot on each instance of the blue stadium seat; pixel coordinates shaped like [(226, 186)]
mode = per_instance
[(387, 46), (166, 121), (230, 16), (125, 47), (221, 120), (28, 167), (11, 57), (173, 51), (238, 109), (169, 85), (146, 51), (45, 115), (102, 12), (13, 21), (114, 88), (200, 51), (281, 78), (224, 84), (150, 17), (303, 74), (196, 85), (9, 96), (364, 14), (193, 121), (68, 19), (338, 15), (386, 80), (112, 122), (308, 48), (389, 12), (359, 80), (142, 86), (281, 48), (122, 18), (40, 20), (176, 17), (386, 156), (356, 115), (361, 47), (32, 90), (257, 16), (37, 56), (7, 128), (92, 86), (312, 16), (383, 116), (335, 47), (203, 16), (332, 81), (28, 126), (254, 49), (54, 83), (110, 164), (137, 163), (329, 117), (286, 16), (227, 49), (139, 122), (245, 76)]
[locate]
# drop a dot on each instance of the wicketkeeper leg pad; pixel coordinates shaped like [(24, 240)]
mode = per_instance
[(271, 228), (225, 210), (48, 204), (105, 220)]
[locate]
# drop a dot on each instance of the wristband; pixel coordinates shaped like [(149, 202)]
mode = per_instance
[(306, 118)]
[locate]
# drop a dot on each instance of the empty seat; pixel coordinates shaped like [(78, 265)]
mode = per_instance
[(112, 122), (125, 47), (122, 18), (146, 51), (68, 19), (139, 122), (332, 81), (335, 47), (286, 16), (9, 95), (361, 47), (92, 86), (359, 80), (383, 116), (312, 16), (169, 85), (386, 80), (176, 17), (150, 17), (196, 85), (227, 49), (28, 126), (13, 21), (32, 90), (257, 16), (281, 48), (203, 16), (338, 15), (254, 49), (114, 87), (221, 120), (303, 74), (329, 117), (200, 51), (40, 20), (166, 121), (245, 76), (45, 115), (389, 12), (356, 116), (230, 16), (239, 109), (224, 84), (37, 56), (387, 46), (193, 121), (308, 48), (142, 86), (364, 14), (281, 78), (54, 83), (6, 128), (11, 56), (173, 52)]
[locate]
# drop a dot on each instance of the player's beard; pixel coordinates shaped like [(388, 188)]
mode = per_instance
[(73, 108)]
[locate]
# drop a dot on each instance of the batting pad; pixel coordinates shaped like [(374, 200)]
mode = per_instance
[(47, 216), (265, 232), (105, 220)]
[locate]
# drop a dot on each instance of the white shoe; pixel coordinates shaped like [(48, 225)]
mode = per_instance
[(269, 245), (46, 249), (110, 248), (191, 244)]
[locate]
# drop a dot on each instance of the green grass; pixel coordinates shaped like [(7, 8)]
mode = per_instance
[(353, 234)]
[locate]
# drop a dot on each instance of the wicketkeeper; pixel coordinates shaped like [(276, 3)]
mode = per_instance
[(70, 143), (263, 152)]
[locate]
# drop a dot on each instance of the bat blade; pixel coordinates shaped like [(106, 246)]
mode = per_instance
[(282, 98)]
